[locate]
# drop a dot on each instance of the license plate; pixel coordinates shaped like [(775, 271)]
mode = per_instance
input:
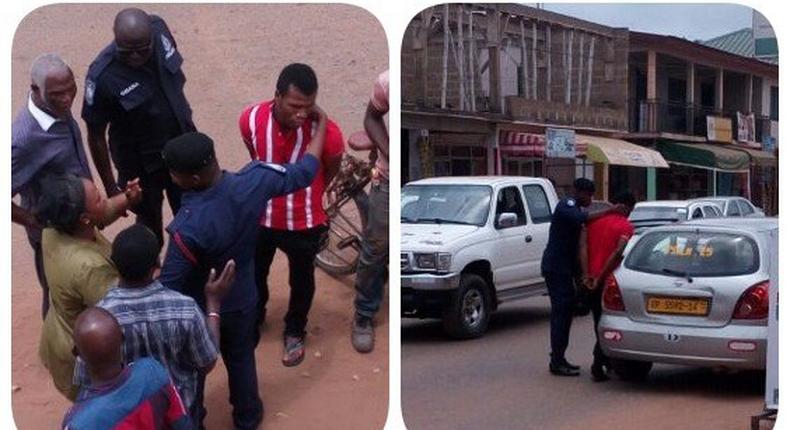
[(678, 306)]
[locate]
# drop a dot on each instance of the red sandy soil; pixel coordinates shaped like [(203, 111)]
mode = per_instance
[(233, 54)]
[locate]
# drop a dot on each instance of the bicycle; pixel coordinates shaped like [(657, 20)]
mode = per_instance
[(346, 207)]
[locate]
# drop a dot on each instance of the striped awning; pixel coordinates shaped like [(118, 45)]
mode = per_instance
[(516, 143)]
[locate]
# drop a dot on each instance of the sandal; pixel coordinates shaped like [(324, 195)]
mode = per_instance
[(294, 350)]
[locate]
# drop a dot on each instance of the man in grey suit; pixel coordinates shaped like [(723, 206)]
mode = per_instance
[(45, 139)]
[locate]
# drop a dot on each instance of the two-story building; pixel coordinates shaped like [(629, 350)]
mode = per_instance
[(709, 113), (482, 84)]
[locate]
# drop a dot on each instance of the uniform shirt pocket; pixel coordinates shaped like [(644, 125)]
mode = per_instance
[(134, 96)]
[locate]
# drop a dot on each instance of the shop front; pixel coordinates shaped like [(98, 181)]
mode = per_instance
[(702, 170), (615, 165), (444, 144), (524, 154), (622, 166), (764, 175)]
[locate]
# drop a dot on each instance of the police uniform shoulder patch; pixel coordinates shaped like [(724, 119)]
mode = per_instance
[(167, 46), (90, 91), (570, 202)]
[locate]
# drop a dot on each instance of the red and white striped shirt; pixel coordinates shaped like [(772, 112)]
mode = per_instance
[(263, 136)]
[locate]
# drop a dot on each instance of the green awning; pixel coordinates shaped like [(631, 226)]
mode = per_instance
[(761, 158), (705, 156)]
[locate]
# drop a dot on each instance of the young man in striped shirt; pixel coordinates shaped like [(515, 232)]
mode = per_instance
[(277, 131)]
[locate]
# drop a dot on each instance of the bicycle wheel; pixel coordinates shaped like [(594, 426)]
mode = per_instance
[(340, 254)]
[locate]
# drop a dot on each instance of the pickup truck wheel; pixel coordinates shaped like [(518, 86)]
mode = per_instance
[(466, 316)]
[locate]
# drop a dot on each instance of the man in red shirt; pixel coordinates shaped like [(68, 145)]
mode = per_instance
[(277, 131), (601, 249)]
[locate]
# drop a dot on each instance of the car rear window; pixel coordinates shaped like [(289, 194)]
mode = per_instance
[(695, 254), (658, 213)]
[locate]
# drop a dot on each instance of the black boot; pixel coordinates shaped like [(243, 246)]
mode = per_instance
[(562, 369)]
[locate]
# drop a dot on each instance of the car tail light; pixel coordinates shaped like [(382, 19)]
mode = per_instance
[(753, 303), (612, 299), (742, 346)]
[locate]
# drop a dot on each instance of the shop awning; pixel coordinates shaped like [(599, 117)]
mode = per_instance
[(620, 153), (705, 156), (761, 158)]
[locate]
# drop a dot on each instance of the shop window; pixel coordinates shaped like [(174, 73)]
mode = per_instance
[(459, 160)]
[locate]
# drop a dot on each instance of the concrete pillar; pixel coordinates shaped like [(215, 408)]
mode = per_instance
[(690, 99), (494, 79), (601, 179), (652, 92), (719, 90), (415, 171), (651, 183), (749, 93), (493, 155), (426, 156)]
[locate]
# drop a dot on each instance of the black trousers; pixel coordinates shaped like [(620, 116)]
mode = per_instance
[(594, 300), (563, 302), (238, 339), (154, 186), (301, 248)]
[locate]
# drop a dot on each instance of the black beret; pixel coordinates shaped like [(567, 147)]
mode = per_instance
[(188, 153), (584, 184)]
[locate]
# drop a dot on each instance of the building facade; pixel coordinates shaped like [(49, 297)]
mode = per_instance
[(484, 85)]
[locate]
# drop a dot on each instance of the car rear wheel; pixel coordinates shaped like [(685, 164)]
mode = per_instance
[(631, 370), (467, 314)]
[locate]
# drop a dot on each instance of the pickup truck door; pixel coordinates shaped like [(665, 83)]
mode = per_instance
[(512, 242)]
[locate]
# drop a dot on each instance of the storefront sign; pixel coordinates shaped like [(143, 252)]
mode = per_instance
[(719, 129), (745, 127), (560, 143)]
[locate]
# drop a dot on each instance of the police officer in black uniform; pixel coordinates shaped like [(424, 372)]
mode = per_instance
[(561, 264), (136, 86)]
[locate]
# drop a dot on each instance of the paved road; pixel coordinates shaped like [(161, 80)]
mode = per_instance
[(501, 381)]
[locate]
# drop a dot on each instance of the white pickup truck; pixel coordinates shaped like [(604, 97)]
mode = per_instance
[(471, 243)]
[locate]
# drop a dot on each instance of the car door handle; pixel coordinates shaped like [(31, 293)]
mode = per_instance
[(528, 239)]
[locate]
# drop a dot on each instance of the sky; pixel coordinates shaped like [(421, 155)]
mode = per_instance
[(691, 21)]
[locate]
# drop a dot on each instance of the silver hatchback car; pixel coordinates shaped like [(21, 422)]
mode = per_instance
[(694, 293)]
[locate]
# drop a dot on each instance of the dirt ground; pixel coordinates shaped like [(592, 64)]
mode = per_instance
[(232, 54)]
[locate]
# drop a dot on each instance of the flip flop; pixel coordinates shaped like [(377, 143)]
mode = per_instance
[(294, 351)]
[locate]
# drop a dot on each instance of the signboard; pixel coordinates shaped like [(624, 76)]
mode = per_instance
[(560, 143), (745, 127), (719, 129)]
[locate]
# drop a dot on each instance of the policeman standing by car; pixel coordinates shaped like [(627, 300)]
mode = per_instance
[(136, 86), (560, 264)]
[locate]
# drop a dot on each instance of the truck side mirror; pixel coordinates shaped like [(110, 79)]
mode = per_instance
[(506, 220)]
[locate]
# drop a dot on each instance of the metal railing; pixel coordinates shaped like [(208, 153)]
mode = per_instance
[(659, 116)]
